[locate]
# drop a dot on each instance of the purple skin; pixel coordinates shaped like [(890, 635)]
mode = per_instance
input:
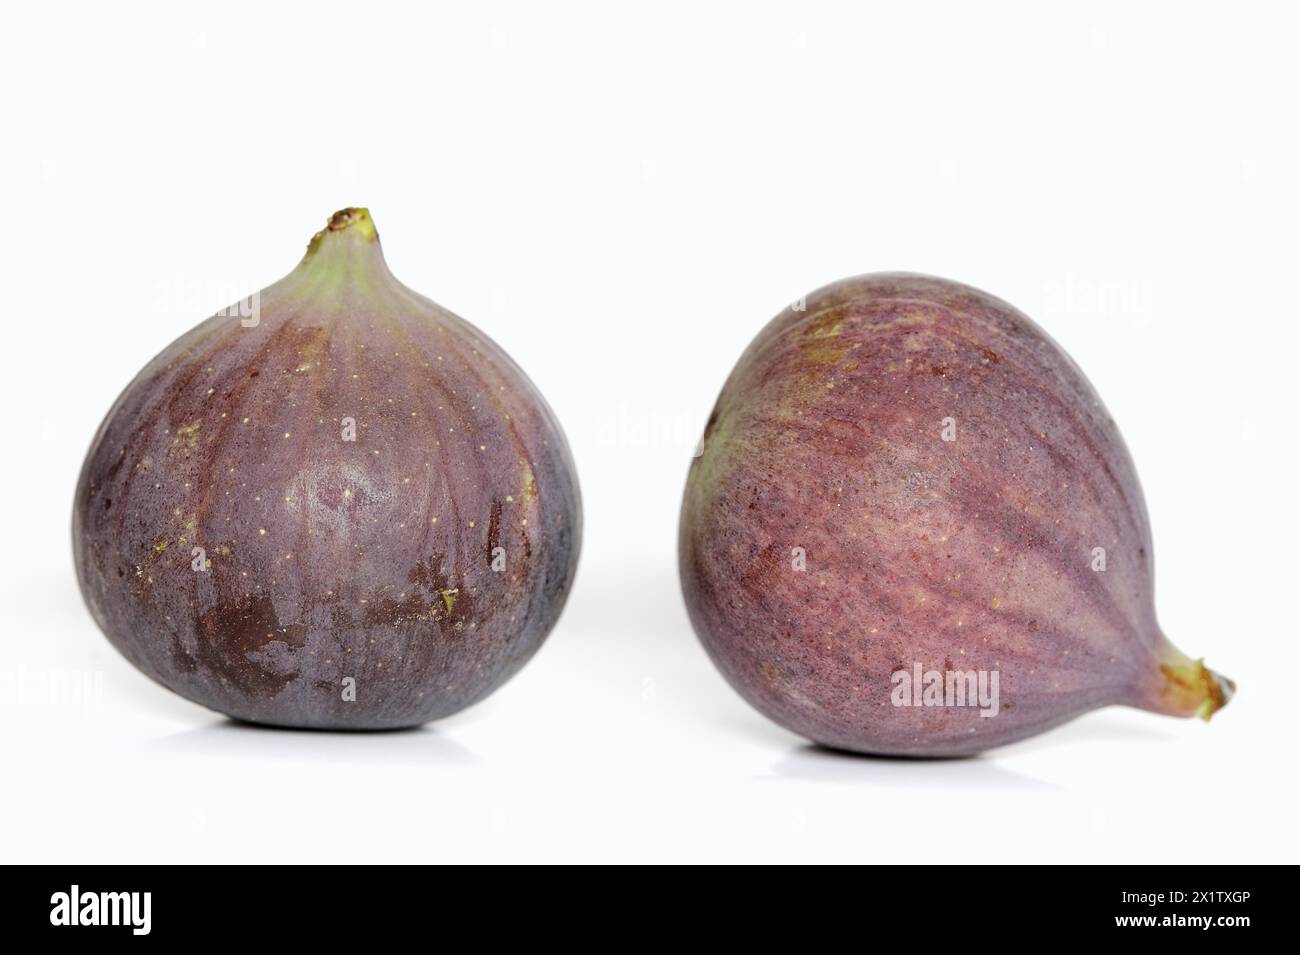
[(427, 559), (959, 555)]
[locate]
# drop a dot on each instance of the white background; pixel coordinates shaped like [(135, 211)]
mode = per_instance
[(622, 196)]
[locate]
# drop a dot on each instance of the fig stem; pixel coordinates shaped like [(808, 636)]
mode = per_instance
[(1190, 688), (356, 218)]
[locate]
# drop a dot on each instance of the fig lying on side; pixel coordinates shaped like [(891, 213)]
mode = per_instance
[(915, 530), (338, 506)]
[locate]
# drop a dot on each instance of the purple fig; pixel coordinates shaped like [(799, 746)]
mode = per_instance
[(337, 505), (915, 530)]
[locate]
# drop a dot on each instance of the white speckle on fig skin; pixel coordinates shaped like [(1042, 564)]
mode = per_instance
[(921, 548), (328, 558)]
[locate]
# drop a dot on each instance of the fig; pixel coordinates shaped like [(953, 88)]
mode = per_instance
[(913, 529), (336, 505)]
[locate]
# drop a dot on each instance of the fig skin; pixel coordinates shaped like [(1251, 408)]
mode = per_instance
[(427, 559), (963, 555)]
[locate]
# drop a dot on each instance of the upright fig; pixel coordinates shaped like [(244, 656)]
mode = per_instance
[(336, 505), (914, 529)]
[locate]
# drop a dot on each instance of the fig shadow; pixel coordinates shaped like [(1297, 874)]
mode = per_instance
[(226, 737), (813, 761)]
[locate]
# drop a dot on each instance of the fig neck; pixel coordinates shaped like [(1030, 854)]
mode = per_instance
[(345, 254)]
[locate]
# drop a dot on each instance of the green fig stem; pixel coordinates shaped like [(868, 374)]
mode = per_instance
[(355, 218), (1189, 688)]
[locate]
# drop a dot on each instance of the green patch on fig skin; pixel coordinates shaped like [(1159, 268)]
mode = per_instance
[(821, 352)]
